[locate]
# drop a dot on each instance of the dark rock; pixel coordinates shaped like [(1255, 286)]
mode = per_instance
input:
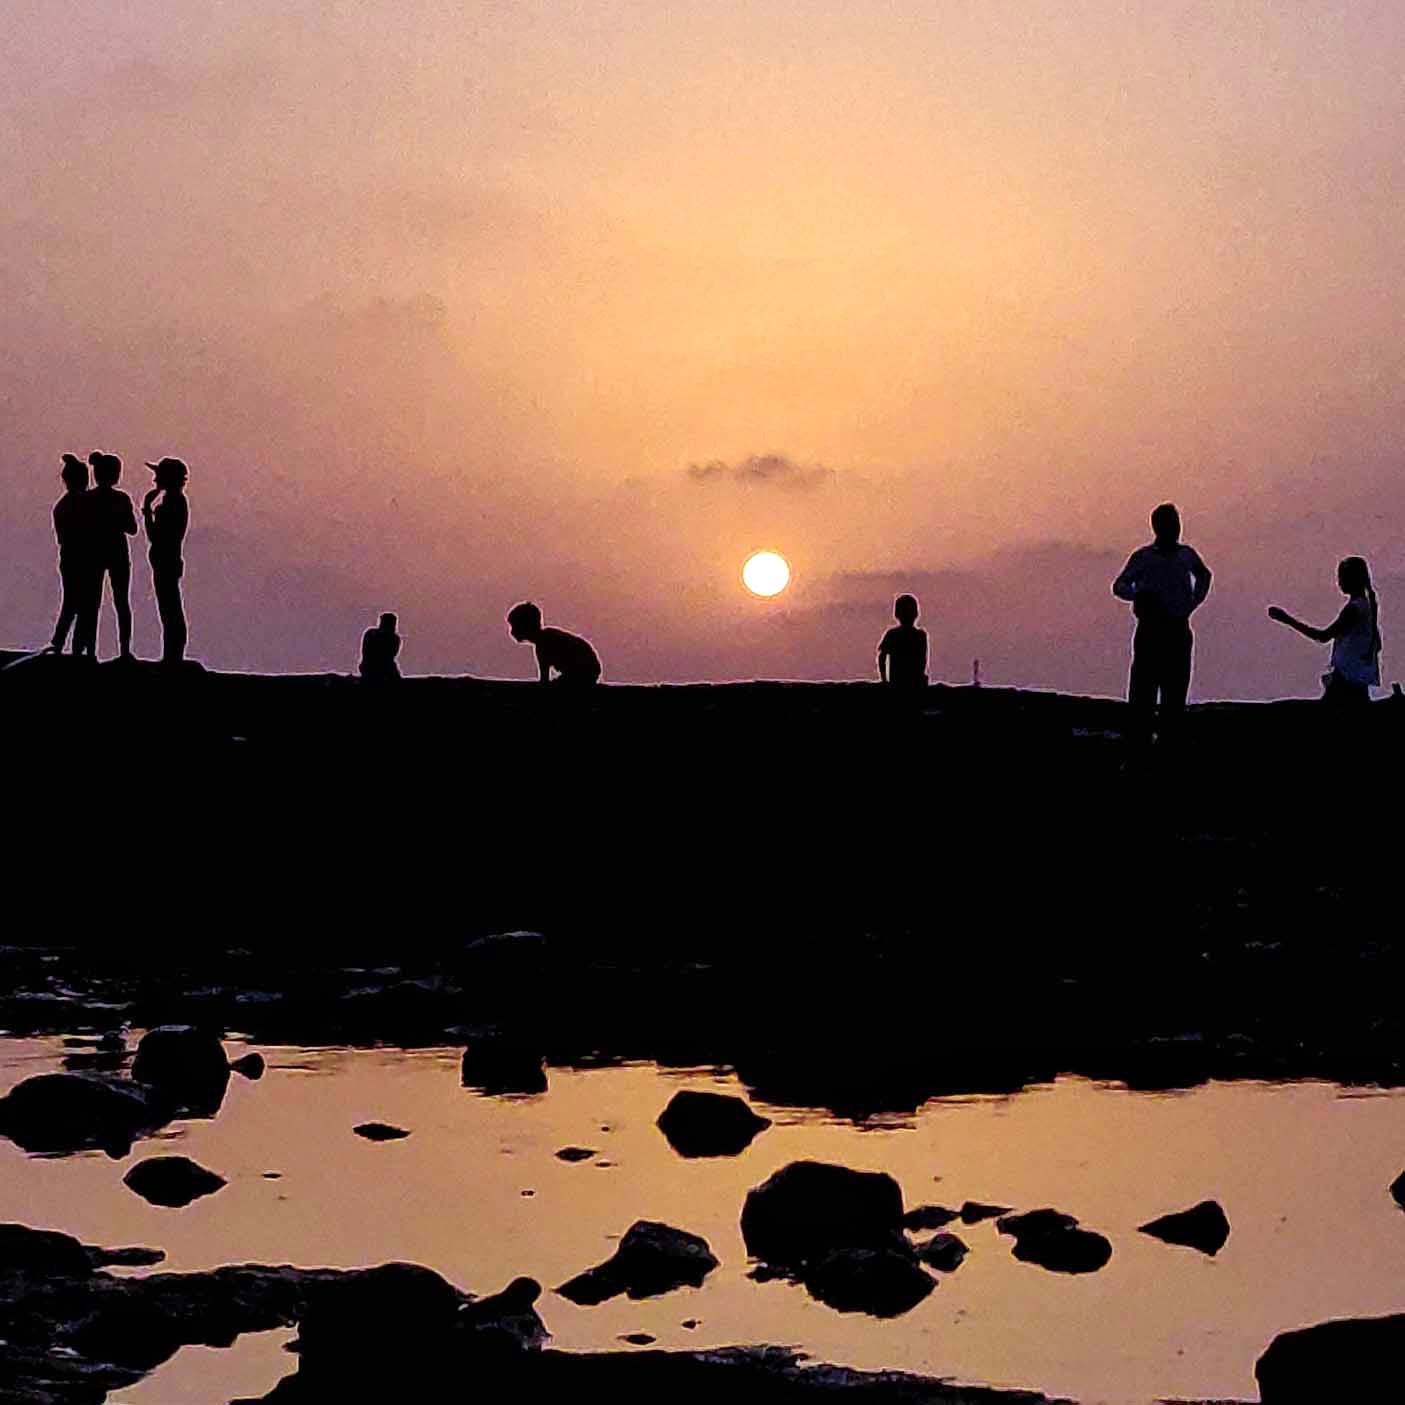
[(185, 1065), (1397, 1190), (505, 1323), (1360, 1358), (63, 1112), (808, 1208), (501, 1068), (638, 1339), (880, 1282), (112, 1042), (42, 1252), (709, 1124), (973, 1212), (395, 1301), (943, 1252), (575, 1153), (1204, 1226), (690, 1324), (379, 1132), (652, 1258), (171, 1181), (251, 1066), (134, 1257), (1054, 1241), (929, 1217), (504, 956)]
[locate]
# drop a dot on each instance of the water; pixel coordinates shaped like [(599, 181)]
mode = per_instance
[(1301, 1169)]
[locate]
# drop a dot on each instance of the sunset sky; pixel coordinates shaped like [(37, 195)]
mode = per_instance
[(451, 304)]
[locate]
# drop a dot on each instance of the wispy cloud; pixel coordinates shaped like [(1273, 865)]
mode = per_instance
[(763, 470)]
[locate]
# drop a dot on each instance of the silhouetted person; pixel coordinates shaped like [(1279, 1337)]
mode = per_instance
[(73, 526), (575, 662), (1355, 636), (113, 522), (166, 522), (1166, 583), (902, 654), (379, 646)]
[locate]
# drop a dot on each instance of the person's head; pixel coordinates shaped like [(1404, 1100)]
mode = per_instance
[(1354, 576), (524, 622), (107, 468), (170, 474), (1166, 524), (905, 609), (74, 473), (388, 623)]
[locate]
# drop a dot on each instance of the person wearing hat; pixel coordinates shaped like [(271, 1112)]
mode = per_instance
[(113, 522), (166, 522), (73, 526)]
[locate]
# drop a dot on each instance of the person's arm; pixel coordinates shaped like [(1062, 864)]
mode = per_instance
[(1335, 630), (147, 514), (882, 661), (543, 665), (1125, 586), (129, 523), (1201, 572), (923, 670)]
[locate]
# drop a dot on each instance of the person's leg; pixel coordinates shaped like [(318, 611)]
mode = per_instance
[(85, 628), (1176, 651), (121, 572), (1141, 687), (166, 582), (68, 609)]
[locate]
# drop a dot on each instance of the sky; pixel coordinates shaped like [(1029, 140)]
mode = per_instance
[(453, 304)]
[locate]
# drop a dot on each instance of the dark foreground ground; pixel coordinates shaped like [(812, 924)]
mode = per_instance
[(856, 904)]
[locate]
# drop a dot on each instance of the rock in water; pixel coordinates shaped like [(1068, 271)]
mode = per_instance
[(1054, 1241), (943, 1252), (251, 1066), (1204, 1226), (184, 1064), (1397, 1190), (808, 1208), (880, 1282), (1354, 1359), (929, 1217), (575, 1153), (973, 1212), (652, 1258), (710, 1124), (379, 1132), (172, 1181), (503, 1069), (62, 1112)]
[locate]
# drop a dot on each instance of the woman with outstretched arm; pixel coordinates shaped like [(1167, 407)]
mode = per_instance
[(1355, 636)]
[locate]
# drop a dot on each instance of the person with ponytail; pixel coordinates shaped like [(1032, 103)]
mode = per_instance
[(1355, 636)]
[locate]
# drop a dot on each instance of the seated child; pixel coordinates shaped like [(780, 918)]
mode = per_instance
[(379, 646), (575, 662), (902, 656)]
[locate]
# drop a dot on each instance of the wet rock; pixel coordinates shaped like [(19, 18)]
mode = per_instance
[(943, 1252), (973, 1212), (172, 1181), (134, 1257), (187, 1066), (1055, 1241), (710, 1124), (501, 1068), (1397, 1190), (63, 1112), (394, 1301), (880, 1282), (929, 1217), (505, 959), (1204, 1226), (809, 1207), (1353, 1359), (112, 1042), (506, 1321), (652, 1258), (42, 1252), (638, 1339), (251, 1066), (575, 1153), (380, 1132), (690, 1324)]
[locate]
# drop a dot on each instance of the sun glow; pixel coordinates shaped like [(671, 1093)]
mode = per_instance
[(766, 573)]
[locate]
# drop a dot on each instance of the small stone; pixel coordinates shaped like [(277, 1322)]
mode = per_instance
[(171, 1181), (973, 1212), (575, 1153), (638, 1339), (251, 1066), (380, 1132)]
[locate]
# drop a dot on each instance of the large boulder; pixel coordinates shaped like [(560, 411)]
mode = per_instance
[(709, 1124), (185, 1065), (1204, 1226), (42, 1252), (394, 1302), (63, 1112), (172, 1181), (503, 1068), (1055, 1241), (1360, 1358), (652, 1258), (809, 1208), (880, 1282)]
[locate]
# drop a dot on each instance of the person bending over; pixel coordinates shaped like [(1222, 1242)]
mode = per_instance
[(575, 662)]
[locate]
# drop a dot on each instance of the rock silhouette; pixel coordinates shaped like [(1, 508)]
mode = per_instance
[(809, 1208), (652, 1258), (251, 1066), (943, 1252), (1204, 1227), (187, 1066), (929, 1217), (172, 1181), (380, 1132), (1055, 1241), (575, 1153), (502, 1068), (880, 1282), (1352, 1359), (973, 1212), (66, 1112), (699, 1123), (1397, 1190)]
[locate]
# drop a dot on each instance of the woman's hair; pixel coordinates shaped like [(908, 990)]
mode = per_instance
[(1355, 577)]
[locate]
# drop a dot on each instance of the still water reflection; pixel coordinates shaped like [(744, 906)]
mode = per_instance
[(477, 1192)]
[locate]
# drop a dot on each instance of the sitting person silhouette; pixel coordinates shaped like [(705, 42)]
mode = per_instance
[(166, 523), (575, 662), (73, 527), (379, 646), (1355, 636), (902, 653), (113, 522)]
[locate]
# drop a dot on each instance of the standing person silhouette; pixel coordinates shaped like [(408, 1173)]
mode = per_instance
[(1355, 636), (902, 652), (113, 522), (73, 527), (1166, 582), (379, 646), (166, 523)]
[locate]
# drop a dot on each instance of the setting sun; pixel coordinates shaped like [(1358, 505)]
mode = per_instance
[(766, 573)]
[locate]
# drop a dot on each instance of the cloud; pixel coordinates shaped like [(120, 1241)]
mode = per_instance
[(763, 470)]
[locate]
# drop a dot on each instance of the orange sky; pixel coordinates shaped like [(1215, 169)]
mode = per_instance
[(441, 301)]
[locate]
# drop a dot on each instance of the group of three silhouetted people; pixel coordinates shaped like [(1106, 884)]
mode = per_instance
[(92, 525)]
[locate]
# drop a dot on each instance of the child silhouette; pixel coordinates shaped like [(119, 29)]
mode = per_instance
[(1355, 636), (379, 646), (902, 654), (113, 522), (73, 527), (575, 662)]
